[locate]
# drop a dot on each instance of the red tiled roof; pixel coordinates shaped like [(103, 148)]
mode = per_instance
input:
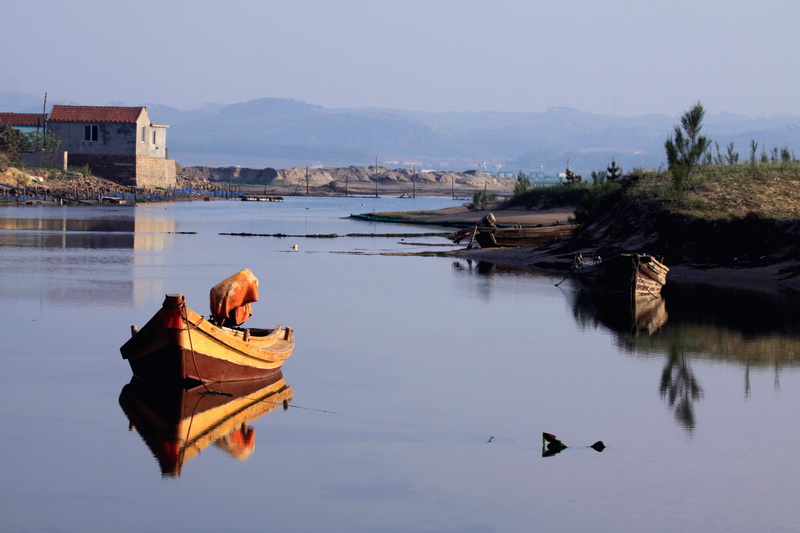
[(80, 113), (22, 119)]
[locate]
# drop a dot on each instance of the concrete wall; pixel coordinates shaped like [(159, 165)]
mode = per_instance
[(143, 135), (157, 141), (151, 139), (45, 159), (112, 139)]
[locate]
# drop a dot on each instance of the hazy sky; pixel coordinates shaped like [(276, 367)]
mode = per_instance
[(612, 57)]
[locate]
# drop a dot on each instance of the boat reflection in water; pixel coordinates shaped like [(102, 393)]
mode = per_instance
[(756, 330), (178, 423), (621, 313)]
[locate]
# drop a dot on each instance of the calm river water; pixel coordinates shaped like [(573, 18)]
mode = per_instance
[(417, 393)]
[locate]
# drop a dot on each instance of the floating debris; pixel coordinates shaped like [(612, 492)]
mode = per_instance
[(551, 445)]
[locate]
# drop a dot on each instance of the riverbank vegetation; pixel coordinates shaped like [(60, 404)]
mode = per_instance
[(696, 183)]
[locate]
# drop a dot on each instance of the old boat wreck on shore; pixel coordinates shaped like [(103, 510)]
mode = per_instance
[(488, 234), (634, 274), (492, 237), (178, 344)]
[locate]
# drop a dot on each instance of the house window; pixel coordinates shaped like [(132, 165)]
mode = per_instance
[(154, 136), (144, 133), (90, 132)]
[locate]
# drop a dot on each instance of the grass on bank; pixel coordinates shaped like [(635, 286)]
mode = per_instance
[(766, 190)]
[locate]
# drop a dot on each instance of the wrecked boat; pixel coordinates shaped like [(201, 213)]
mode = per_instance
[(489, 234), (631, 273), (492, 237)]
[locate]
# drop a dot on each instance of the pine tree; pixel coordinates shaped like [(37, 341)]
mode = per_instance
[(614, 172), (686, 146)]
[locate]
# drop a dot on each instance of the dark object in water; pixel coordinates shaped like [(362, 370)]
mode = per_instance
[(551, 445), (635, 274), (598, 446)]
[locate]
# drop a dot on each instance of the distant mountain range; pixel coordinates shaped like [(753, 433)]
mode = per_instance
[(283, 133)]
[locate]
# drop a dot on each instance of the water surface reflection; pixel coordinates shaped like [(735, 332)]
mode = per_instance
[(178, 423), (694, 321)]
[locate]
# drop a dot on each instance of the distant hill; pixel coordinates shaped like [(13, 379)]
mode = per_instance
[(285, 133)]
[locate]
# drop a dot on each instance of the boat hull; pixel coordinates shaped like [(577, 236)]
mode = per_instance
[(178, 344), (491, 237), (636, 274)]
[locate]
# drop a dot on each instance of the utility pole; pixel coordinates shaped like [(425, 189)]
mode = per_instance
[(306, 180), (376, 176), (44, 120)]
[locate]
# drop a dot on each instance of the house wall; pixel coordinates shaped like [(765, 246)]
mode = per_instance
[(151, 139), (157, 141), (113, 138), (143, 135)]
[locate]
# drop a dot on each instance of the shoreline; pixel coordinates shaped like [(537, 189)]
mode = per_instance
[(556, 258)]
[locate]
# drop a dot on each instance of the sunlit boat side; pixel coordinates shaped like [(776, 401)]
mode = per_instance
[(178, 344), (636, 274)]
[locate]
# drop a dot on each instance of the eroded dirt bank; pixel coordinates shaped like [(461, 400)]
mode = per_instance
[(745, 251)]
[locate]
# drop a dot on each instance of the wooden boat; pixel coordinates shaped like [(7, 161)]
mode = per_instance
[(178, 344), (635, 274), (178, 423), (495, 237)]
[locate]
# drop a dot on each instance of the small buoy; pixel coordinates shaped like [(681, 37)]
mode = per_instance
[(294, 247)]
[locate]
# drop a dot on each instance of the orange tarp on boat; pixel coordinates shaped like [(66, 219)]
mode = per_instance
[(231, 298)]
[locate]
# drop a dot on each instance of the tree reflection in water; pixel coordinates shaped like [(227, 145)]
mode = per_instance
[(680, 387)]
